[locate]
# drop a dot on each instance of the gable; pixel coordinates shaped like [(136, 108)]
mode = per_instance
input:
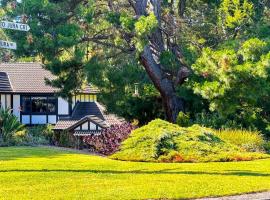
[(87, 126)]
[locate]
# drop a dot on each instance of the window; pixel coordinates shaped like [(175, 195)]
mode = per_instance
[(39, 104), (52, 101), (26, 104)]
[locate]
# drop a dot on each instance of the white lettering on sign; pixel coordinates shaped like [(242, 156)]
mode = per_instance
[(14, 26), (8, 45)]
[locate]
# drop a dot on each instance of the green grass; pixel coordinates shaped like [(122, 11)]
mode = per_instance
[(43, 173)]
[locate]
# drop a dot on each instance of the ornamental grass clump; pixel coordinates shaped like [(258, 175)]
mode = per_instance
[(248, 140), (161, 141)]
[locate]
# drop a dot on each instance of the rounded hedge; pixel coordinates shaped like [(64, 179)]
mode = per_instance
[(161, 141)]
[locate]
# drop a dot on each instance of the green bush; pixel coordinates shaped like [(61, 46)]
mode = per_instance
[(11, 130), (214, 120), (66, 139), (161, 141), (183, 119), (267, 146), (248, 140), (40, 135)]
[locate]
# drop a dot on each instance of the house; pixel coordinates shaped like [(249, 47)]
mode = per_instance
[(23, 89)]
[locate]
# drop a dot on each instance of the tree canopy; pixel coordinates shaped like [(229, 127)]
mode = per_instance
[(193, 56)]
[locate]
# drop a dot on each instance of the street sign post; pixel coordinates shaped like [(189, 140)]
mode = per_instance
[(14, 26), (8, 45)]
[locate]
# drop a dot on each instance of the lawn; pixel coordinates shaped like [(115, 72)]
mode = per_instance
[(43, 173)]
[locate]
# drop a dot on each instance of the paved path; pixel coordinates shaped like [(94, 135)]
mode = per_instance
[(253, 196)]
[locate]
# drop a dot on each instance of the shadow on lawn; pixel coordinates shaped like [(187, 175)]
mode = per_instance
[(225, 173)]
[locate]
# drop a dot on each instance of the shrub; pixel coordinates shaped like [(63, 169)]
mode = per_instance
[(183, 119), (110, 139), (214, 120), (41, 134), (161, 141), (267, 146), (248, 140), (10, 127), (66, 139)]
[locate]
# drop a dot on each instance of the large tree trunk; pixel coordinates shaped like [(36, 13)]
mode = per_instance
[(150, 60), (171, 102)]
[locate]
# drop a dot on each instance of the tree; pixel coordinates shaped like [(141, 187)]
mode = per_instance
[(66, 27), (236, 82), (5, 54), (165, 37)]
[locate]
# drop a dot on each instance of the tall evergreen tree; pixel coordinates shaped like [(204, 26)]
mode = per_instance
[(165, 37)]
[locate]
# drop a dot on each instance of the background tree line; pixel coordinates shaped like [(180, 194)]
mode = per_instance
[(208, 58)]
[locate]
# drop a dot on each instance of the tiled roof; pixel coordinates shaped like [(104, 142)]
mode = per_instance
[(27, 77), (30, 78), (88, 111), (64, 124), (5, 85)]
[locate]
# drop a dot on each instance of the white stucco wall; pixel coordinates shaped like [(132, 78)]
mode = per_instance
[(8, 102), (93, 126), (16, 105), (3, 102), (85, 126), (62, 107)]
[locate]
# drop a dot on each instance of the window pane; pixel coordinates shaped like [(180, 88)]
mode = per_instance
[(26, 104), (39, 104), (52, 105)]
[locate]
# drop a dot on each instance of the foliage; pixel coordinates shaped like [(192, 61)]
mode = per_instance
[(160, 141), (248, 140), (117, 89), (183, 119), (65, 174), (235, 82), (66, 140), (236, 13), (12, 132), (109, 140), (214, 120), (10, 127), (101, 42), (39, 135), (143, 27), (267, 146)]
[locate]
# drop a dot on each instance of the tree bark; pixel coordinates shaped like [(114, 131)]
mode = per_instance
[(181, 7), (150, 60), (171, 102)]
